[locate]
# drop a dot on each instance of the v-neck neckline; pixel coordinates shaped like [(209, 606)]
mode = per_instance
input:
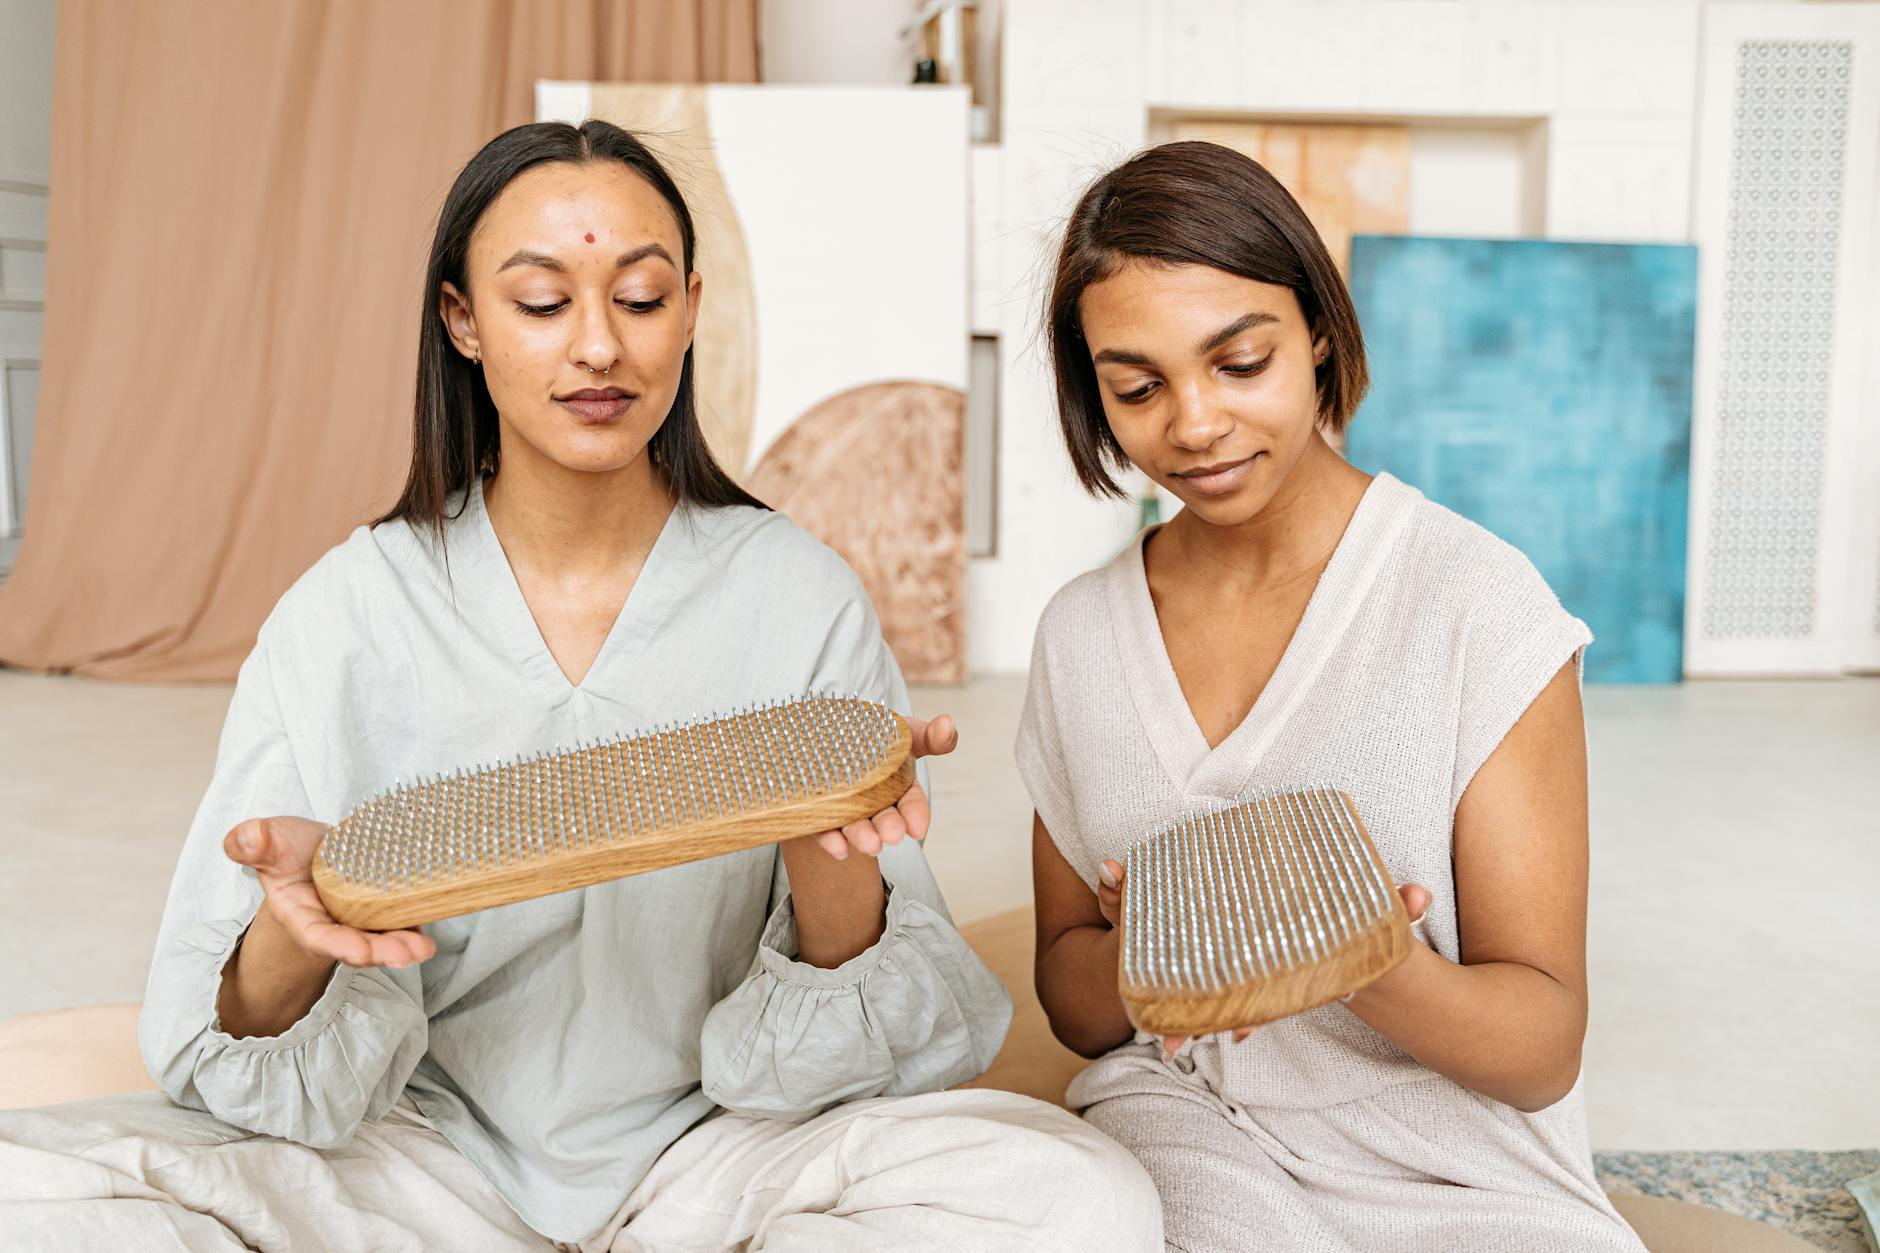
[(646, 605), (1220, 773)]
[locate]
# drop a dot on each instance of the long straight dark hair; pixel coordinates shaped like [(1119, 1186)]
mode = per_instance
[(455, 434)]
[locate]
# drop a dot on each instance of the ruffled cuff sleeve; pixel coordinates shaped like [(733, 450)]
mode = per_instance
[(915, 1012), (349, 1057), (345, 1061)]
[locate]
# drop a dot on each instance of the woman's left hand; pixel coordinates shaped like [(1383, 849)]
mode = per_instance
[(907, 816)]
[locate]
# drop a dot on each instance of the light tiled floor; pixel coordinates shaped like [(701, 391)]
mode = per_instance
[(1734, 935)]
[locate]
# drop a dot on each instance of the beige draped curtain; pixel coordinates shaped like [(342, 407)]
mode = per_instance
[(242, 200)]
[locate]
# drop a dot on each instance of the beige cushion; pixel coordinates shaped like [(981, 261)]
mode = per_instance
[(70, 1055), (1668, 1226), (1032, 1062), (73, 1054)]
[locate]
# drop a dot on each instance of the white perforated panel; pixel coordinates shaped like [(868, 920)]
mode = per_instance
[(1778, 330), (1783, 212)]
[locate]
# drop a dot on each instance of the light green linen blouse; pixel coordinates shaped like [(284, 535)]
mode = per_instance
[(561, 1044)]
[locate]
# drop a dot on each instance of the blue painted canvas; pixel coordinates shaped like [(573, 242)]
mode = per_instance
[(1543, 390)]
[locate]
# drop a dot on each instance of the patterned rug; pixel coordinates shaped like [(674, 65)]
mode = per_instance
[(1804, 1193)]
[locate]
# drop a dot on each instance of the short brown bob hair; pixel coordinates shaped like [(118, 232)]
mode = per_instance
[(1191, 203)]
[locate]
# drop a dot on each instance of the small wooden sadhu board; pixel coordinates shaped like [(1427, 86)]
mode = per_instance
[(513, 830), (1249, 914)]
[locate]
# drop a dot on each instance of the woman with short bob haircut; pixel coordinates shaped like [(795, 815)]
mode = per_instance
[(747, 1050), (1300, 622)]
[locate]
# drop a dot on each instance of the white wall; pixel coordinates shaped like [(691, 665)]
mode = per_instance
[(26, 31), (1478, 180), (869, 211), (26, 86), (836, 41), (859, 41)]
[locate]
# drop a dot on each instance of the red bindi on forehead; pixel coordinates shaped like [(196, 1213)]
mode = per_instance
[(590, 237)]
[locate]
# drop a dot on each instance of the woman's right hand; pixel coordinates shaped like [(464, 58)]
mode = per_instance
[(280, 851), (1110, 901)]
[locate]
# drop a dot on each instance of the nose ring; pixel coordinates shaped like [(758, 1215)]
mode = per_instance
[(604, 373)]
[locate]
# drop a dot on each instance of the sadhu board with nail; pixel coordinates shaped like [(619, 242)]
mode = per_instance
[(1249, 914), (515, 830)]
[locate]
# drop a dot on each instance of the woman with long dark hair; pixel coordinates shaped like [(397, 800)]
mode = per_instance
[(1303, 623), (674, 1060)]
